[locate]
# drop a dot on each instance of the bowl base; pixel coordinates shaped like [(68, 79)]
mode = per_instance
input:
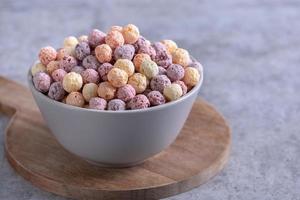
[(110, 165)]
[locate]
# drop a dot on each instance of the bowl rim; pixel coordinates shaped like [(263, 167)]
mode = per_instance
[(145, 110)]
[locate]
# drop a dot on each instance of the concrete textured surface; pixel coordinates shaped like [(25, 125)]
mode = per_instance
[(251, 54)]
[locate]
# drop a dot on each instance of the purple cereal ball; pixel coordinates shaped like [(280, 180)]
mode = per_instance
[(77, 69), (42, 81), (159, 83), (162, 71), (163, 59), (156, 98), (159, 47), (175, 72), (140, 101), (82, 50), (97, 103), (56, 91), (104, 69), (124, 52), (126, 93), (58, 75), (67, 63), (183, 86), (116, 104), (96, 37), (90, 76), (90, 62), (139, 43), (147, 91), (148, 49), (196, 65)]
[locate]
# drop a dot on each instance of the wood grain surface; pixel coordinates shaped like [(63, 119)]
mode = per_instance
[(199, 153)]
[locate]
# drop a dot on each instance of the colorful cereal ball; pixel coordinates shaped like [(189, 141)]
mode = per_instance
[(149, 68), (37, 67), (47, 54), (61, 53), (70, 44), (117, 77), (114, 39), (124, 52), (78, 69), (58, 75), (138, 81), (89, 91), (116, 104), (104, 69), (139, 59), (159, 82), (171, 46), (67, 63), (126, 93), (90, 62), (97, 103), (125, 65), (96, 38), (156, 98), (147, 49), (56, 91), (162, 71), (191, 76), (173, 92), (140, 101), (106, 91), (42, 81), (53, 65), (103, 53), (75, 99), (83, 38), (72, 82), (183, 86), (90, 76), (175, 72), (181, 56), (82, 50), (196, 65), (130, 33)]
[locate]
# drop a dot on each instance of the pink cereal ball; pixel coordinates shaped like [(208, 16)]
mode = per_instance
[(42, 81), (90, 76), (90, 62), (56, 91), (116, 104), (159, 83), (140, 101), (114, 39), (103, 53), (156, 98), (58, 75), (104, 69), (47, 54), (78, 69), (82, 50), (67, 63), (97, 103), (96, 37), (175, 72), (183, 87), (126, 93), (75, 99)]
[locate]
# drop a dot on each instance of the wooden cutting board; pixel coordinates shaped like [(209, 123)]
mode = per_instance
[(199, 153)]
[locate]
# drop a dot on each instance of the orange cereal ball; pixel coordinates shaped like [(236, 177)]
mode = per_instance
[(191, 76), (131, 33), (173, 91), (106, 91), (47, 54), (61, 52), (114, 39), (170, 45), (181, 56), (103, 53), (83, 38), (75, 99), (116, 28), (37, 67), (89, 91), (52, 66), (125, 65), (138, 60), (117, 77), (138, 81), (72, 82), (149, 68)]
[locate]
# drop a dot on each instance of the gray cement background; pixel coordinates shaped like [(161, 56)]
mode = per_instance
[(250, 51)]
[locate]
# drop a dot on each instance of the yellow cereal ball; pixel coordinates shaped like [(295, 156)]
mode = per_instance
[(70, 44), (83, 38), (72, 82), (52, 66), (37, 67), (89, 91), (181, 56), (138, 81), (116, 28), (103, 53), (138, 60), (114, 39), (149, 68), (170, 45), (172, 91), (106, 91), (191, 76), (117, 77), (131, 33), (125, 65), (75, 99), (61, 52)]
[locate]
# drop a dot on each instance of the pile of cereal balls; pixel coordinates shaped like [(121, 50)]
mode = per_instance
[(119, 70)]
